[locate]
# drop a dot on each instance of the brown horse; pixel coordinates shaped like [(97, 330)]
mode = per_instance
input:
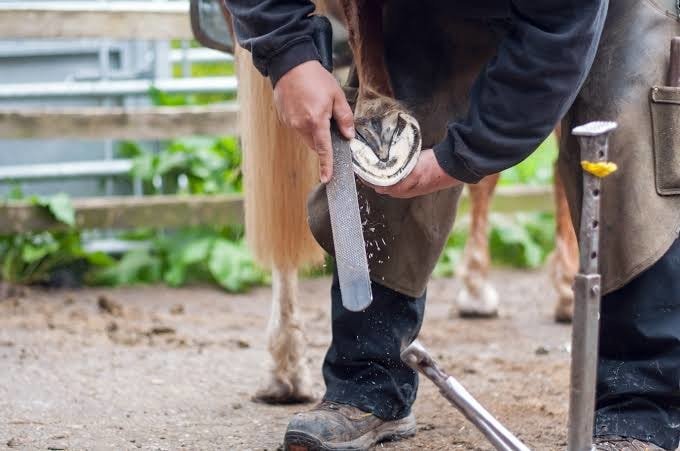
[(276, 190)]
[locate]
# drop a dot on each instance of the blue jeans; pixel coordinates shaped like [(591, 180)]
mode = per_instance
[(638, 388), (362, 366)]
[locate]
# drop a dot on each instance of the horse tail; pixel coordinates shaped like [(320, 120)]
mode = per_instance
[(279, 172)]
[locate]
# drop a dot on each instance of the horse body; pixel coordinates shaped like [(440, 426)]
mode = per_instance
[(279, 172)]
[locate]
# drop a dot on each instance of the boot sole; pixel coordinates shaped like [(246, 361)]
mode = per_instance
[(302, 441)]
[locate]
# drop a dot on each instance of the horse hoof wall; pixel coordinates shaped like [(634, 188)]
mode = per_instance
[(280, 393), (564, 313), (483, 304), (386, 148)]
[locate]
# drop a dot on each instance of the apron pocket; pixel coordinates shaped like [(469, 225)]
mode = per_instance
[(665, 105)]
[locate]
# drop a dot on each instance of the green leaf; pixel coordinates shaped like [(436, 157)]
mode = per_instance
[(15, 192), (537, 169), (32, 252), (511, 244), (196, 250), (60, 206), (129, 149), (176, 275), (100, 259), (170, 161), (184, 250), (137, 266), (144, 166), (232, 266), (160, 98)]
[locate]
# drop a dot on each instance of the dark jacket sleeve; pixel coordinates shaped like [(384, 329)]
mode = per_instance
[(526, 89), (277, 32)]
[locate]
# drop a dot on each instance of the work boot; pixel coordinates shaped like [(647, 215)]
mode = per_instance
[(338, 427), (615, 443)]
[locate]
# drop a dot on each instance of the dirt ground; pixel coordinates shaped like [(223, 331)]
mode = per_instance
[(161, 369)]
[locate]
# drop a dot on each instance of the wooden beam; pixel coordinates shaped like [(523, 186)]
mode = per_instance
[(513, 199), (178, 211), (114, 20), (127, 212), (122, 123)]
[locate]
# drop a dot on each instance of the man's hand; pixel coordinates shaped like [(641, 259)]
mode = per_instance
[(306, 98), (427, 177)]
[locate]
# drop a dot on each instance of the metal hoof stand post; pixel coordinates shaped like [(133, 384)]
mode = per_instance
[(594, 143), (593, 139)]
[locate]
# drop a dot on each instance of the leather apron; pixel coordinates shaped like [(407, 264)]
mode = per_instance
[(641, 201), (404, 237)]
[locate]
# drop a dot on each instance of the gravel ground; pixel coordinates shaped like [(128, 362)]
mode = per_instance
[(165, 369)]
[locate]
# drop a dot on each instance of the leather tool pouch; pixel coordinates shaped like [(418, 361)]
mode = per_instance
[(665, 105)]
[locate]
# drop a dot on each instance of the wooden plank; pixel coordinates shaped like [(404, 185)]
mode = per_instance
[(513, 199), (128, 212), (114, 20), (177, 211), (122, 123)]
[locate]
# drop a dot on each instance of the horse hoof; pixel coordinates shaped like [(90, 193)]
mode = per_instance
[(564, 312), (386, 148), (278, 392), (483, 304)]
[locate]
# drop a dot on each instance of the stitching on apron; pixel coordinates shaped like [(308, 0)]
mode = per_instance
[(661, 10)]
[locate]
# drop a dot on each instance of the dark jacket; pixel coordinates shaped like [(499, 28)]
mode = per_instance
[(518, 98)]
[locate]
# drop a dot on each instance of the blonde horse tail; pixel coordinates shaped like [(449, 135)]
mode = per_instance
[(279, 172)]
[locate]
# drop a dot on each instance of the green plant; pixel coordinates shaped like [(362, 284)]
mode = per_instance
[(209, 165), (29, 258), (216, 69), (521, 240), (452, 253), (537, 169), (214, 255)]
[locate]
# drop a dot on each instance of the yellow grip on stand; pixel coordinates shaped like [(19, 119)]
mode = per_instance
[(599, 169)]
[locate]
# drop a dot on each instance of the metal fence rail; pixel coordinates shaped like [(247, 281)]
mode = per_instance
[(65, 170), (112, 88), (199, 55)]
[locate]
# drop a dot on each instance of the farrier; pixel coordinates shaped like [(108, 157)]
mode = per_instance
[(533, 61)]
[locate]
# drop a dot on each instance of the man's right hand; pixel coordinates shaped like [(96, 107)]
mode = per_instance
[(306, 98)]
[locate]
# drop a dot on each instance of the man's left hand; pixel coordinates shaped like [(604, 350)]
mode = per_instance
[(427, 177)]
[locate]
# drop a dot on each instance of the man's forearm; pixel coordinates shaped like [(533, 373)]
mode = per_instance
[(277, 32), (526, 89)]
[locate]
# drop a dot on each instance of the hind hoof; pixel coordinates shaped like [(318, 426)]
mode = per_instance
[(478, 305), (564, 312), (278, 392)]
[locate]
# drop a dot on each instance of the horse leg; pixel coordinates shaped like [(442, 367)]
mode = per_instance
[(289, 380), (275, 191), (365, 29), (478, 298), (563, 263)]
